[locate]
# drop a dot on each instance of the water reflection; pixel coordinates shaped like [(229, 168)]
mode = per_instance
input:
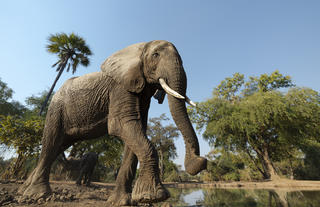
[(243, 198)]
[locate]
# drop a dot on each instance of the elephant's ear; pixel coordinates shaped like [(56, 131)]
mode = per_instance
[(125, 67)]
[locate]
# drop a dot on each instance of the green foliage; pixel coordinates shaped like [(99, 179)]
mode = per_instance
[(109, 149), (34, 103), (266, 83), (162, 137), (229, 87), (309, 165), (22, 135), (171, 172), (4, 164), (8, 106), (69, 47), (223, 165), (259, 120), (5, 91)]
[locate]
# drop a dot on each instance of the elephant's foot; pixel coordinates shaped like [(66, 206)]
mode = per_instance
[(119, 198), (194, 164), (145, 191), (36, 191), (26, 184), (23, 187)]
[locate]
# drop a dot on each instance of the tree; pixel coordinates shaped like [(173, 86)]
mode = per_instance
[(162, 137), (256, 118), (71, 50), (8, 107), (24, 136), (34, 103)]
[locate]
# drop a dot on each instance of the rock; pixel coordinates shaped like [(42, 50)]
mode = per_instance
[(78, 196), (41, 201), (6, 199), (104, 190), (69, 197), (28, 201), (21, 199), (54, 197), (65, 191)]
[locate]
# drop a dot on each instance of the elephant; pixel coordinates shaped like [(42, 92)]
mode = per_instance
[(87, 164), (84, 166), (116, 101)]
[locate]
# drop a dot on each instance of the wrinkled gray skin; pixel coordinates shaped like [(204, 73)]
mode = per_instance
[(116, 101)]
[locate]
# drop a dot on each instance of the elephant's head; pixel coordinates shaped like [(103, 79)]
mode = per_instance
[(158, 63)]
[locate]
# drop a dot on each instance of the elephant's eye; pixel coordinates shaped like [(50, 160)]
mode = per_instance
[(155, 55)]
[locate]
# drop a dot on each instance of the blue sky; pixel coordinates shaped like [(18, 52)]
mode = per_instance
[(215, 39)]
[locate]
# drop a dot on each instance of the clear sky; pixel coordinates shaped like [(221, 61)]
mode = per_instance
[(215, 39)]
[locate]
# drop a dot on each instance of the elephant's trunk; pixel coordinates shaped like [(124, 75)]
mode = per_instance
[(193, 163)]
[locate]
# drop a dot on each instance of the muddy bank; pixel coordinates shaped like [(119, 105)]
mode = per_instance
[(282, 183), (64, 194), (68, 194)]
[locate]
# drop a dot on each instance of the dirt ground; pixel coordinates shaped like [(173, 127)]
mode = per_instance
[(64, 194), (67, 194)]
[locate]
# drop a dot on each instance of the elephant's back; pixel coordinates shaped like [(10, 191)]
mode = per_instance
[(84, 100), (82, 86)]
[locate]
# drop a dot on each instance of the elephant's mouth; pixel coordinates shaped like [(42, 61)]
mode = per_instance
[(172, 92)]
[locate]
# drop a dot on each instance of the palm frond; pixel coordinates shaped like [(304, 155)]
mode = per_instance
[(85, 61), (59, 67), (75, 65), (69, 47), (54, 65), (68, 68)]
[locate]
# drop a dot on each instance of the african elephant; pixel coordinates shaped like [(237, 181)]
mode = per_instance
[(116, 101), (87, 164), (83, 167)]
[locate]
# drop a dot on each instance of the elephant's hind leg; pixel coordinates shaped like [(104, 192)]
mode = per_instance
[(37, 184), (121, 195)]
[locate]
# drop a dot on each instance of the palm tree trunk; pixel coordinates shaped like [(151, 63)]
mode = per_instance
[(52, 87)]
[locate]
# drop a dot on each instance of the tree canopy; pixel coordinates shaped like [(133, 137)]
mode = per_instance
[(7, 105), (162, 137), (258, 118)]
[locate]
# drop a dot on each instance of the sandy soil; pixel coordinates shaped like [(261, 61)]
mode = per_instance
[(67, 194)]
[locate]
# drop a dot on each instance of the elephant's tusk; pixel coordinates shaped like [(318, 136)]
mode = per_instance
[(169, 90), (190, 102)]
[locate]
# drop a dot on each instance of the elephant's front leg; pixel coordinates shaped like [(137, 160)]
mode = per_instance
[(121, 195), (148, 187)]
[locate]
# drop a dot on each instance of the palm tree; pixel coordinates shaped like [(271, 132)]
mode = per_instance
[(71, 50)]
